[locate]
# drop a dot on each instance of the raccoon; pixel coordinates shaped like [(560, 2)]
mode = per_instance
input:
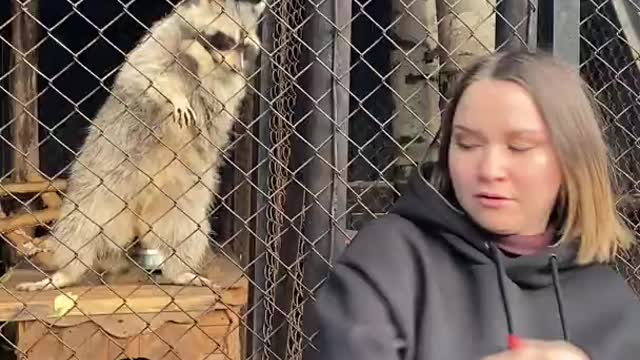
[(149, 167)]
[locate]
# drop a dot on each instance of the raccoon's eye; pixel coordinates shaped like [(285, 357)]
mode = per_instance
[(221, 41)]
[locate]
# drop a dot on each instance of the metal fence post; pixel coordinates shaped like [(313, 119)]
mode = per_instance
[(514, 19), (566, 31), (262, 201), (325, 113)]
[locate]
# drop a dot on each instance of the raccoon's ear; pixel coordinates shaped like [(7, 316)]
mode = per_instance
[(258, 5), (197, 2), (259, 8)]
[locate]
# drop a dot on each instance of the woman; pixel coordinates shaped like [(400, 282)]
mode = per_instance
[(508, 236)]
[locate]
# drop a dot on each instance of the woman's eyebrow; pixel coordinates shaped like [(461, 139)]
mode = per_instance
[(516, 132), (466, 129), (519, 132)]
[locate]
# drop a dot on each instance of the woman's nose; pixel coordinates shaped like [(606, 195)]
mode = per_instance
[(492, 166)]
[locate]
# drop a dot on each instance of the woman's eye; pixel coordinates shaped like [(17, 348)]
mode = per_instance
[(465, 146), (221, 41), (520, 147)]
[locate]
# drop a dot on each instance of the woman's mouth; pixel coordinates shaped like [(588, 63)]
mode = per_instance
[(492, 201)]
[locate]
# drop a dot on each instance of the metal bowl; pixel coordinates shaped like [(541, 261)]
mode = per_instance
[(149, 259)]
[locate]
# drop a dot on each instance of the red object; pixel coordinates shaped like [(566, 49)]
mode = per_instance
[(513, 342)]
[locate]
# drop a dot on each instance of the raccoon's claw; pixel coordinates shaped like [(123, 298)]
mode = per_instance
[(191, 279), (183, 114)]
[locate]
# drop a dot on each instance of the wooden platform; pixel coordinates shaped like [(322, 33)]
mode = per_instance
[(129, 317)]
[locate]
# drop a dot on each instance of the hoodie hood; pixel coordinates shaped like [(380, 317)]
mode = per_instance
[(433, 212), (414, 282)]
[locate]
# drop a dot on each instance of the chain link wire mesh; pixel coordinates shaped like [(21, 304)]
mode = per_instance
[(75, 91), (289, 196), (609, 62), (286, 58)]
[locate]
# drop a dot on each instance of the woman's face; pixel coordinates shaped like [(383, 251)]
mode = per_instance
[(503, 167)]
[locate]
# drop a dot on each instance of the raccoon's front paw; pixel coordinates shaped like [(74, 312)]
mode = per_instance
[(45, 284), (183, 114), (191, 279), (57, 281)]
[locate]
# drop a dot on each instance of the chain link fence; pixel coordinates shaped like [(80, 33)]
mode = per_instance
[(323, 129), (609, 51)]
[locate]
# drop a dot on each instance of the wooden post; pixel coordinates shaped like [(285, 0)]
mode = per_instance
[(23, 110), (415, 81), (466, 30)]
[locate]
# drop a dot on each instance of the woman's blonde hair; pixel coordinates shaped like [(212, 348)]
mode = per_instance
[(586, 210)]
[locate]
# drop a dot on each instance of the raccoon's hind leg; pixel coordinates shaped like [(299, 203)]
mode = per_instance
[(114, 261), (81, 241), (183, 248), (72, 246), (182, 266), (179, 230)]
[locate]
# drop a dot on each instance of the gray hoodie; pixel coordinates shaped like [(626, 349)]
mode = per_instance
[(424, 282)]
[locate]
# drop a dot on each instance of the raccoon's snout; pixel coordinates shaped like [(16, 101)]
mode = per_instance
[(224, 48)]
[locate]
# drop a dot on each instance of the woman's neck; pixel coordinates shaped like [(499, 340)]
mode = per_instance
[(520, 245)]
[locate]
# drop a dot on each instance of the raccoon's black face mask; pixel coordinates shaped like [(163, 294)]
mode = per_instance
[(222, 42), (254, 2), (228, 28)]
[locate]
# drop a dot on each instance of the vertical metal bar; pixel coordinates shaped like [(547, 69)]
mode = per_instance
[(341, 85), (512, 24), (326, 111), (329, 106), (532, 31), (5, 153), (266, 83), (566, 31), (242, 197)]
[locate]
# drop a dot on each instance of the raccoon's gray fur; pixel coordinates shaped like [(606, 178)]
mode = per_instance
[(149, 166)]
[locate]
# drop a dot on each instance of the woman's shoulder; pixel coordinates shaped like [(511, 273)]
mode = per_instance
[(396, 224), (391, 230), (389, 241), (608, 280)]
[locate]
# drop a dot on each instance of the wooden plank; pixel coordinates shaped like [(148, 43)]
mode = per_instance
[(32, 187), (169, 341), (127, 293), (120, 299), (28, 220)]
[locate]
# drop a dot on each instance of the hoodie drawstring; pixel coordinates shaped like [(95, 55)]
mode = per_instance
[(553, 262), (503, 292), (512, 338)]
